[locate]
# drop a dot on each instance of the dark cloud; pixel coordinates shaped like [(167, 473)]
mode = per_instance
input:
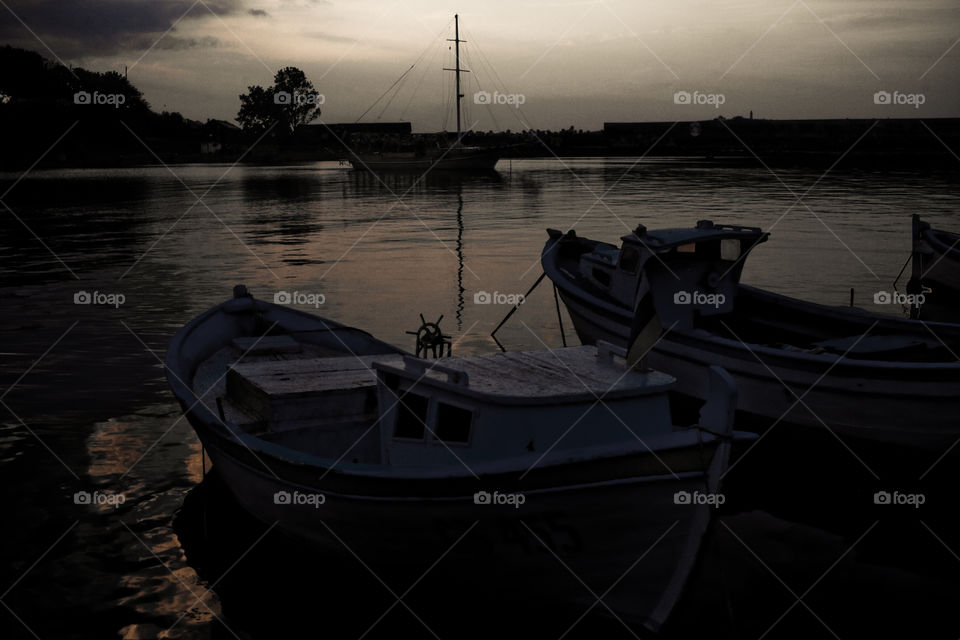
[(79, 28), (259, 13), (173, 43)]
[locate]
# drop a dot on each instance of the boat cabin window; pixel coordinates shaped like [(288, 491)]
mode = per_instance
[(729, 249), (411, 416), (629, 258), (453, 423)]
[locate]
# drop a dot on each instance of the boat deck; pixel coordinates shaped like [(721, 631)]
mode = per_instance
[(574, 374)]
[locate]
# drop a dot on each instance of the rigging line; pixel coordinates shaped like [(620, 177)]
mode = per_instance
[(465, 83), (424, 70), (402, 75), (384, 93), (389, 102), (447, 89), (494, 73), (437, 47), (486, 62), (476, 79), (402, 79)]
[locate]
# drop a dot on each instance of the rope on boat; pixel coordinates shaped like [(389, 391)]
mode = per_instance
[(556, 300), (902, 269), (914, 285), (493, 334)]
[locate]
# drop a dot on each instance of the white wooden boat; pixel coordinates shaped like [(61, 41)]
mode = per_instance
[(302, 418), (874, 377)]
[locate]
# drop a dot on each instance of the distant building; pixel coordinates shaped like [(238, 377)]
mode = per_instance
[(217, 134), (327, 133), (392, 128), (335, 136), (862, 140)]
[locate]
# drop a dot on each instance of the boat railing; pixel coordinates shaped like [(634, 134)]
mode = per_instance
[(709, 224)]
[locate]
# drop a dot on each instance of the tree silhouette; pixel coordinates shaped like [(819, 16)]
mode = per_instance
[(289, 103)]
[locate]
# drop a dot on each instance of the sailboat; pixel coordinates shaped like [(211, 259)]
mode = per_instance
[(455, 157)]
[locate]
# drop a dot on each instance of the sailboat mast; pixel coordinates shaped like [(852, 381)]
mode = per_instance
[(456, 37), (456, 40)]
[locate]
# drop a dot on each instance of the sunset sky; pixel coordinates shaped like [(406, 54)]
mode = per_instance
[(573, 63)]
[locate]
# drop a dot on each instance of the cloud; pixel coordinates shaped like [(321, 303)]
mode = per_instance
[(173, 43), (330, 37), (79, 28)]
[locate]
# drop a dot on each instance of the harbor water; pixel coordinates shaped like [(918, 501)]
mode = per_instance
[(115, 533)]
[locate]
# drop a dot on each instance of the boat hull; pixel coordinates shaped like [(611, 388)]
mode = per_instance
[(465, 161), (942, 268), (913, 404), (598, 531), (597, 514)]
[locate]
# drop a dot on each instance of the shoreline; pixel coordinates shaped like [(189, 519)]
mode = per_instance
[(893, 143)]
